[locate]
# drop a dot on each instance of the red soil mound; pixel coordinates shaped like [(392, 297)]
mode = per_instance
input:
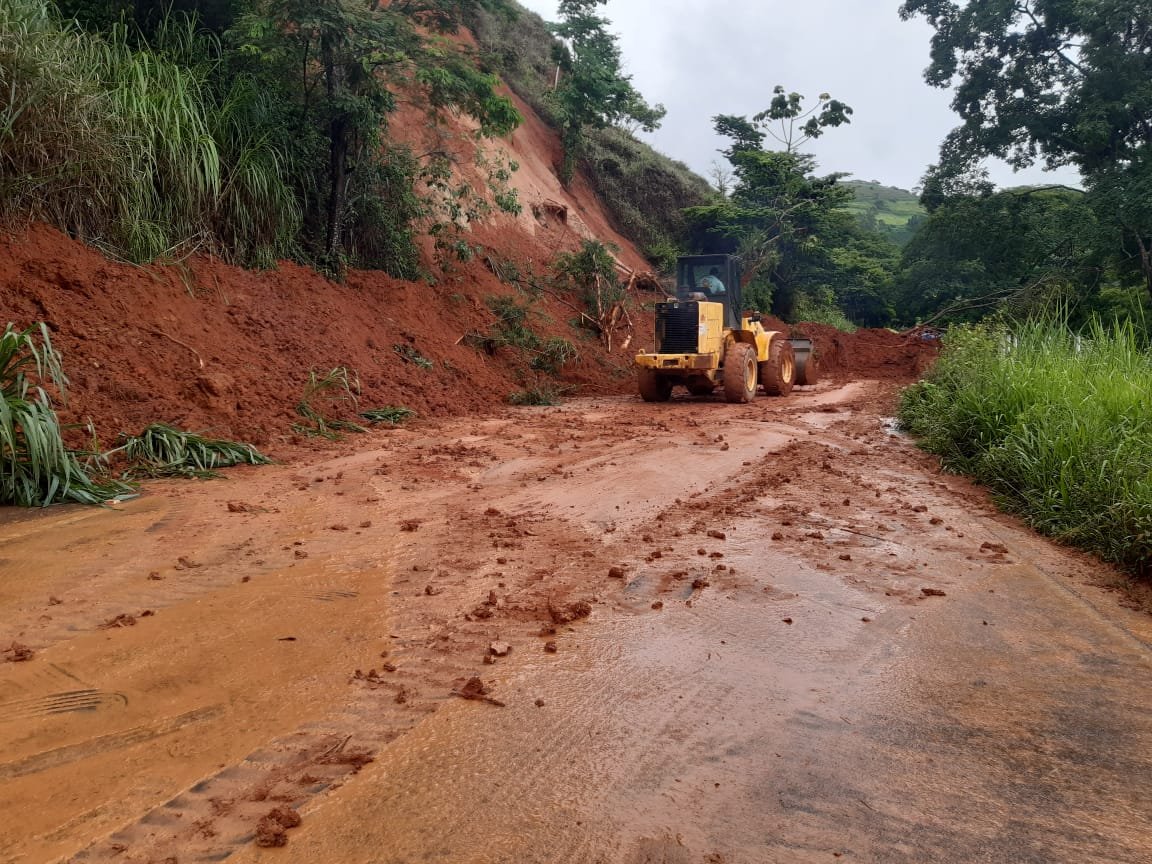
[(210, 347)]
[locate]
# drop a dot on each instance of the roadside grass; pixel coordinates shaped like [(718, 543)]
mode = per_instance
[(36, 466), (1057, 424), (128, 150)]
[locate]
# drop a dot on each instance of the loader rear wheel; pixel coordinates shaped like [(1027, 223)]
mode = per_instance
[(654, 387), (778, 372), (739, 373)]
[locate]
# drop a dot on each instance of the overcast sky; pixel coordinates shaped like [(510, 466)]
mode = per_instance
[(725, 56)]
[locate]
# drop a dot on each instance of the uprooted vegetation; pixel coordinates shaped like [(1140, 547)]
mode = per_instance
[(39, 468), (164, 451)]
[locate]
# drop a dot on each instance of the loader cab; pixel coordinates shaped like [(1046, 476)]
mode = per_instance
[(701, 274)]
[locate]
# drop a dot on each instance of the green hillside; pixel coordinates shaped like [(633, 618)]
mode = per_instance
[(891, 211)]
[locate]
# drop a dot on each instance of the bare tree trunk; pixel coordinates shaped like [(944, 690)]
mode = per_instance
[(338, 145)]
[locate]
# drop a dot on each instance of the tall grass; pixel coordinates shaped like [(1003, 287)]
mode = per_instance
[(36, 468), (130, 148), (1059, 425)]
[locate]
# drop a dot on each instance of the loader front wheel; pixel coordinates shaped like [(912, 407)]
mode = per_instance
[(778, 372), (654, 387), (739, 373)]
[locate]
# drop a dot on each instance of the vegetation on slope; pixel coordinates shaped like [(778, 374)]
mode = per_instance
[(645, 192), (1057, 424), (157, 136)]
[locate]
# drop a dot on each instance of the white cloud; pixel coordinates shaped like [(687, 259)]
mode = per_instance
[(702, 59)]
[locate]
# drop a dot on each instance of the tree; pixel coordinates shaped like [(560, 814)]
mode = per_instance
[(779, 217), (1055, 81), (337, 66), (1013, 251), (593, 90)]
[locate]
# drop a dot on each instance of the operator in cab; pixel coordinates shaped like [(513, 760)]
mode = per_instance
[(711, 283)]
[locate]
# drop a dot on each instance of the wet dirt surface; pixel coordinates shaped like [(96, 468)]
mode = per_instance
[(702, 633)]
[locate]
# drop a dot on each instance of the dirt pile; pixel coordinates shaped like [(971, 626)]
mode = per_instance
[(868, 354), (207, 346)]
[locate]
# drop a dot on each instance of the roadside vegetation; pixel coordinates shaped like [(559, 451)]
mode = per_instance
[(36, 467), (164, 451), (1058, 425), (253, 130)]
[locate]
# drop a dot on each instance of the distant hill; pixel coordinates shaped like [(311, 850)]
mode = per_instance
[(892, 211)]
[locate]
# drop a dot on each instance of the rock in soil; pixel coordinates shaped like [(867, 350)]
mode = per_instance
[(570, 612), (499, 649)]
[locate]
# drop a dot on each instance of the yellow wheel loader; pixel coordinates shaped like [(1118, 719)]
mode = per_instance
[(704, 340)]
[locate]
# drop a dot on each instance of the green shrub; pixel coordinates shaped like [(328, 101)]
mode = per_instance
[(537, 395), (1057, 424)]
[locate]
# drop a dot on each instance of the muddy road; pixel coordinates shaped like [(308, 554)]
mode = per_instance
[(702, 633)]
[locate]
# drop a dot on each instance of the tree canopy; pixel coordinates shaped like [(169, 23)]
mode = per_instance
[(592, 90), (1061, 82), (802, 250)]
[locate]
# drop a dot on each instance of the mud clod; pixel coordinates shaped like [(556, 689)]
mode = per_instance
[(933, 592), (786, 620), (700, 583), (717, 535), (569, 612), (18, 653), (499, 649), (550, 648), (994, 548), (616, 573), (477, 691), (272, 829), (121, 620)]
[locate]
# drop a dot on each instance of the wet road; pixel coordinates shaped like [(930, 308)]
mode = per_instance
[(769, 681)]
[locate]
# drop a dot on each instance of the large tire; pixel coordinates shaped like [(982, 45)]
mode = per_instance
[(778, 372), (809, 373), (740, 373), (700, 387), (654, 387)]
